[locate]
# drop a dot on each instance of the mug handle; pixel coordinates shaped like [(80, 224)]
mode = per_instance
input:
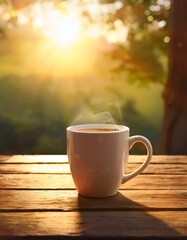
[(147, 144)]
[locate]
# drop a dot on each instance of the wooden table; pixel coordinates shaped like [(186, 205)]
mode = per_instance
[(38, 199)]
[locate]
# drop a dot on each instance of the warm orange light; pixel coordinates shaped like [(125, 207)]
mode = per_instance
[(63, 29), (66, 44)]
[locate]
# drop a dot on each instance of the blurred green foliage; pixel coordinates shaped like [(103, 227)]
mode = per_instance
[(31, 118)]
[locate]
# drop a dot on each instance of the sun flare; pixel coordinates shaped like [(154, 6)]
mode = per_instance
[(63, 29), (65, 38), (62, 26), (66, 25)]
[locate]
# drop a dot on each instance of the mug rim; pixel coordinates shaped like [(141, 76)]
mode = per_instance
[(75, 128)]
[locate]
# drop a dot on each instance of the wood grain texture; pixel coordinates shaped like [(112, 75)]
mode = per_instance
[(69, 200), (65, 181), (161, 159), (97, 224), (59, 168), (38, 198)]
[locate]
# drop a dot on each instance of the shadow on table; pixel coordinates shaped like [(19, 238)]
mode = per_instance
[(115, 217), (121, 217)]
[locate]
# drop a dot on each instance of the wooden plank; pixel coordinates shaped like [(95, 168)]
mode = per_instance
[(34, 168), (64, 181), (162, 159), (70, 201), (64, 168), (105, 224), (172, 169), (33, 159), (63, 158)]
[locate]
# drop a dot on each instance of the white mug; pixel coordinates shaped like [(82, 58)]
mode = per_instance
[(98, 155)]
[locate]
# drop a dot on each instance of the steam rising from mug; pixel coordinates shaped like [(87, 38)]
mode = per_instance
[(99, 110)]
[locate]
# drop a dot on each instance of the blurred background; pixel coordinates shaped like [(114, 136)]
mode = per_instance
[(67, 62)]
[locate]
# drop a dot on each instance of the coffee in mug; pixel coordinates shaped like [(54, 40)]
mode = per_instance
[(90, 130), (98, 156)]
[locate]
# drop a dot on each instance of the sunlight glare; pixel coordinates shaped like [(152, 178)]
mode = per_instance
[(69, 38), (63, 29), (61, 26)]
